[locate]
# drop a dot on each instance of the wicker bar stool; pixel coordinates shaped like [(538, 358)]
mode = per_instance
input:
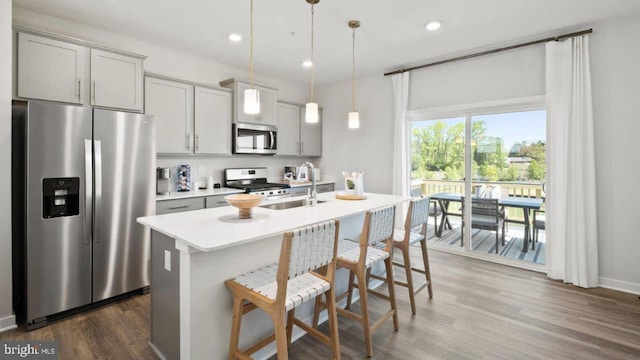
[(358, 258), (279, 288), (415, 230)]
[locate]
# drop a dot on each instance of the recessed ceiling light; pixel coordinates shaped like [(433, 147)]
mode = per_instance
[(235, 37), (433, 25), (307, 63)]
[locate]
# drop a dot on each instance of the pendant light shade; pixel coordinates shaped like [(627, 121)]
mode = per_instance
[(354, 120), (354, 116), (252, 101), (311, 113), (252, 95)]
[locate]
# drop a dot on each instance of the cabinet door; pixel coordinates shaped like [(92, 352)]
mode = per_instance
[(51, 69), (116, 80), (325, 188), (288, 129), (267, 107), (267, 113), (310, 137), (179, 205), (212, 121), (172, 104), (215, 201)]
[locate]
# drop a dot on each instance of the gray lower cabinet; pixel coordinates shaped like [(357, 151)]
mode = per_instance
[(215, 201), (325, 188), (302, 190), (179, 205)]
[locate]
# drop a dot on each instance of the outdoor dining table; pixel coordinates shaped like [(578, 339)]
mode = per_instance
[(526, 204)]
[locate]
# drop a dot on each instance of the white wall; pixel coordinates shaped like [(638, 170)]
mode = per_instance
[(368, 149), (615, 72), (6, 309), (615, 54)]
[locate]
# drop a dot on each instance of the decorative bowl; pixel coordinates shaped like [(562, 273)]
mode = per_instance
[(245, 203)]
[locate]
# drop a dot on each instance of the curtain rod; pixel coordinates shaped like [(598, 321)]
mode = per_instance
[(493, 51)]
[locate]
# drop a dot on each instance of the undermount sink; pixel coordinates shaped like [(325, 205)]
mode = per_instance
[(287, 205)]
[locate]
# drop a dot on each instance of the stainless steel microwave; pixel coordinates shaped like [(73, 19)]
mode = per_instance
[(254, 139)]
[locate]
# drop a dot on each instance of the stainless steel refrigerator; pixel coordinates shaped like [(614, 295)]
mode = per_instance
[(80, 178)]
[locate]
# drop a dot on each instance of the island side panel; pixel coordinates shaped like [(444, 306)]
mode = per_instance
[(211, 301), (165, 297)]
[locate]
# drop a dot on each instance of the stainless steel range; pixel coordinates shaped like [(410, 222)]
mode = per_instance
[(254, 181)]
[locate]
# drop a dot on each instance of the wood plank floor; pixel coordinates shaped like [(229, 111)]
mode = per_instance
[(479, 311)]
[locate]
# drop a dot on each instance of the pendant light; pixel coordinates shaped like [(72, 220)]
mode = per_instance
[(251, 95), (354, 116), (311, 108)]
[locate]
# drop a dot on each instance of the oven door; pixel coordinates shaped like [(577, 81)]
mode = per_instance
[(254, 139)]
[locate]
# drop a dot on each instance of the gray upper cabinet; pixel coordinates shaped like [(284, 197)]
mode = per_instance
[(212, 121), (288, 129), (190, 118), (268, 98), (295, 136), (310, 136), (172, 104), (116, 80), (51, 68)]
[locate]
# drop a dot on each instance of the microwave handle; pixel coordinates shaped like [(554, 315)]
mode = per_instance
[(273, 144)]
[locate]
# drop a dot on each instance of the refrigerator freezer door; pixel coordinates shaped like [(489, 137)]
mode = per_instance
[(125, 190), (58, 252)]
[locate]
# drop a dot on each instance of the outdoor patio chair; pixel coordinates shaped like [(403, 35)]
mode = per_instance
[(486, 215)]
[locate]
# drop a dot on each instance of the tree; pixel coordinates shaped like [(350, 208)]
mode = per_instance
[(536, 170)]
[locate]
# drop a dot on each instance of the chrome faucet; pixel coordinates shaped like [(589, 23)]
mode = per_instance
[(312, 197)]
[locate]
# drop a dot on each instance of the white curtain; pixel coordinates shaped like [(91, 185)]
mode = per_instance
[(571, 230), (401, 176)]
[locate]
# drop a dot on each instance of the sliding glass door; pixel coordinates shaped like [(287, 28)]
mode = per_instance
[(495, 162)]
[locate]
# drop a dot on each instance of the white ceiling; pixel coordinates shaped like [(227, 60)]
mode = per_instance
[(392, 34)]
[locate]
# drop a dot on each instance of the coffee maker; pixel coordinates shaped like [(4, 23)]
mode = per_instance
[(162, 181)]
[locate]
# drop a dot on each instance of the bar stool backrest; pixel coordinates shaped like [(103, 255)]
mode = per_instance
[(312, 247), (380, 224), (418, 213)]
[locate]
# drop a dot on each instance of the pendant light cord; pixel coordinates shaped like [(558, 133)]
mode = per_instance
[(251, 46), (313, 65), (353, 72)]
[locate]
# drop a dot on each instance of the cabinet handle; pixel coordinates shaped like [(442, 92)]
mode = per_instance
[(94, 92), (197, 143), (178, 207), (78, 89), (188, 140)]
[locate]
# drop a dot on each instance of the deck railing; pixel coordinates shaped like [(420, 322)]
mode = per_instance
[(509, 188)]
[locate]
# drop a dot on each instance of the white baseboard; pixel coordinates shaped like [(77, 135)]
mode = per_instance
[(8, 323), (620, 285)]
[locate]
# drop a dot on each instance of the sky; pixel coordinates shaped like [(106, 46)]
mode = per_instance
[(529, 126)]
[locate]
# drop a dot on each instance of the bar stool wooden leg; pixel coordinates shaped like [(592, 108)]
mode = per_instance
[(290, 316), (235, 327), (281, 335), (333, 323), (427, 269), (392, 292), (407, 271), (352, 276), (364, 308)]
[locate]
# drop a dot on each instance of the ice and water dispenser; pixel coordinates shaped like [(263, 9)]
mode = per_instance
[(60, 197)]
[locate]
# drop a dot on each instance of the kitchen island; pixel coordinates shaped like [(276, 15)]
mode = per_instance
[(194, 252)]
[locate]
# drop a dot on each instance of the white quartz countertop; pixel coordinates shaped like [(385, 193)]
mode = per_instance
[(219, 228), (197, 193)]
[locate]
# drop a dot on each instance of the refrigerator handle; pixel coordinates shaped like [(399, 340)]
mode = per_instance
[(98, 191), (88, 183)]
